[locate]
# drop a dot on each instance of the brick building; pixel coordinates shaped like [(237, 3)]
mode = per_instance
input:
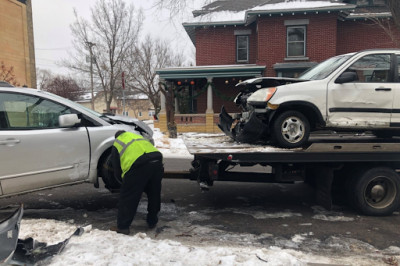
[(16, 40), (237, 39)]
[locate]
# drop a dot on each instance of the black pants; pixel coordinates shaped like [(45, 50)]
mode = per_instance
[(145, 178)]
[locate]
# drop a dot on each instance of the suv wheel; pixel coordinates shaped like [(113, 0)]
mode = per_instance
[(290, 129)]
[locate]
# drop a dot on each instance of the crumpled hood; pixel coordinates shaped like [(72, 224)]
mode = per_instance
[(255, 84), (132, 121)]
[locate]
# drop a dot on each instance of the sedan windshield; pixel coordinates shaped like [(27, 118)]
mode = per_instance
[(325, 68), (77, 105)]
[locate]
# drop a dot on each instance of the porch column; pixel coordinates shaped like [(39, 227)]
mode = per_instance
[(209, 96), (176, 106), (162, 116), (209, 110)]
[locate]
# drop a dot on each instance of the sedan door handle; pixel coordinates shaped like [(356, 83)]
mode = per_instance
[(9, 142), (383, 89)]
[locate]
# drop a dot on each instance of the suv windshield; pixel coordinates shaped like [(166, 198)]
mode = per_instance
[(325, 68)]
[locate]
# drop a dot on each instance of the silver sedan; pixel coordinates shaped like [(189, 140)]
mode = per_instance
[(48, 141)]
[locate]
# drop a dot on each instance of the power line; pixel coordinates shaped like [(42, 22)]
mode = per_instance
[(61, 48)]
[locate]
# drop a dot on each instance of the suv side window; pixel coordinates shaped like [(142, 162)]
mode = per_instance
[(21, 111), (398, 68), (372, 68)]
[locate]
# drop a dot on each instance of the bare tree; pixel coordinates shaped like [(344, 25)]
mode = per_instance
[(105, 40), (43, 77), (63, 86), (390, 26), (175, 7), (394, 6), (7, 74), (142, 63)]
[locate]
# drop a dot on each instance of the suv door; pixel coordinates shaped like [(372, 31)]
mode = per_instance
[(395, 120), (34, 152), (367, 101)]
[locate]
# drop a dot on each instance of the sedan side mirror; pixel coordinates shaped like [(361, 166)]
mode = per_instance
[(68, 120), (346, 77)]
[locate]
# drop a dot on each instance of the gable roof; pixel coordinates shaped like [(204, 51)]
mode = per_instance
[(240, 5), (245, 12)]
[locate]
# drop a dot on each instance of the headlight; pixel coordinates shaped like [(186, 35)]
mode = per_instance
[(262, 95)]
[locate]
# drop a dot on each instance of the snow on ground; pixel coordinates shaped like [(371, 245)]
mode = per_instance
[(98, 247)]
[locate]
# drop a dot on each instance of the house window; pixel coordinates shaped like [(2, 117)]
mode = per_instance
[(140, 114), (296, 41), (242, 48)]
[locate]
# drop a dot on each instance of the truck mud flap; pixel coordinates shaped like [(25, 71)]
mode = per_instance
[(323, 181), (225, 122)]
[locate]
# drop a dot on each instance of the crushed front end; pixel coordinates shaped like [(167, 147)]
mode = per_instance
[(252, 124)]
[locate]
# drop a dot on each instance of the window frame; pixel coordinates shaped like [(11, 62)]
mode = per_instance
[(11, 127), (304, 27), (247, 48), (390, 71)]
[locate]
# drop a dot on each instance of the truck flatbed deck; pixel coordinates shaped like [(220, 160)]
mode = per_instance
[(364, 166)]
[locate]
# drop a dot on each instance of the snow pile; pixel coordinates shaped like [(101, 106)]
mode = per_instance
[(97, 247)]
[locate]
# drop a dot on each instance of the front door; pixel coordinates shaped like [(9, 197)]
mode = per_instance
[(366, 102), (34, 151)]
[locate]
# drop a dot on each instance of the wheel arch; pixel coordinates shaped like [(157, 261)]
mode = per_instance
[(308, 109)]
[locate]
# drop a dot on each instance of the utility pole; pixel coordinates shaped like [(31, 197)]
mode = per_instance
[(123, 92), (90, 45)]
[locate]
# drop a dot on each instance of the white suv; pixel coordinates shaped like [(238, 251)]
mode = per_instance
[(357, 91)]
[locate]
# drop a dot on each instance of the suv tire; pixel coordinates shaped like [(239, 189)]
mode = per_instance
[(290, 129)]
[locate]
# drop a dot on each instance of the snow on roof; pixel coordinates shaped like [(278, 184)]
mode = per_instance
[(210, 15)]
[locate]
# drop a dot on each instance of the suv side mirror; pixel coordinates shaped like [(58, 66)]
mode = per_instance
[(346, 77), (68, 120)]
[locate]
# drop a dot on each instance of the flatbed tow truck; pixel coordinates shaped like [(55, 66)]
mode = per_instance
[(360, 166)]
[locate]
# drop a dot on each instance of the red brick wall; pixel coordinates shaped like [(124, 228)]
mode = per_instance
[(359, 35), (320, 39), (217, 46)]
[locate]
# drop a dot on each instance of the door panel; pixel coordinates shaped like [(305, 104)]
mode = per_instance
[(395, 121), (366, 102), (34, 151)]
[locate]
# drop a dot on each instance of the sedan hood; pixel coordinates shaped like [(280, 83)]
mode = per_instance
[(138, 124)]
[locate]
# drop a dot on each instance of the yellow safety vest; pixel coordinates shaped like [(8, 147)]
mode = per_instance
[(130, 147)]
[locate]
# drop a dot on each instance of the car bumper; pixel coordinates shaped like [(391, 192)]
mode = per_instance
[(251, 131)]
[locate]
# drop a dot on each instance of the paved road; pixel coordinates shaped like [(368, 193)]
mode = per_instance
[(230, 213)]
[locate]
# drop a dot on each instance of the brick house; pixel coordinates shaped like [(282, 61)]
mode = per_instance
[(237, 40)]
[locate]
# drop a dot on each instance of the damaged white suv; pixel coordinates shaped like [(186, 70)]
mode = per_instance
[(357, 91)]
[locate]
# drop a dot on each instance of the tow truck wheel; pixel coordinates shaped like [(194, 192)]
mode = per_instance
[(290, 129), (375, 191)]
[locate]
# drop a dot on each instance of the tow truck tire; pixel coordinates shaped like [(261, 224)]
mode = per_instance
[(290, 129), (375, 191)]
